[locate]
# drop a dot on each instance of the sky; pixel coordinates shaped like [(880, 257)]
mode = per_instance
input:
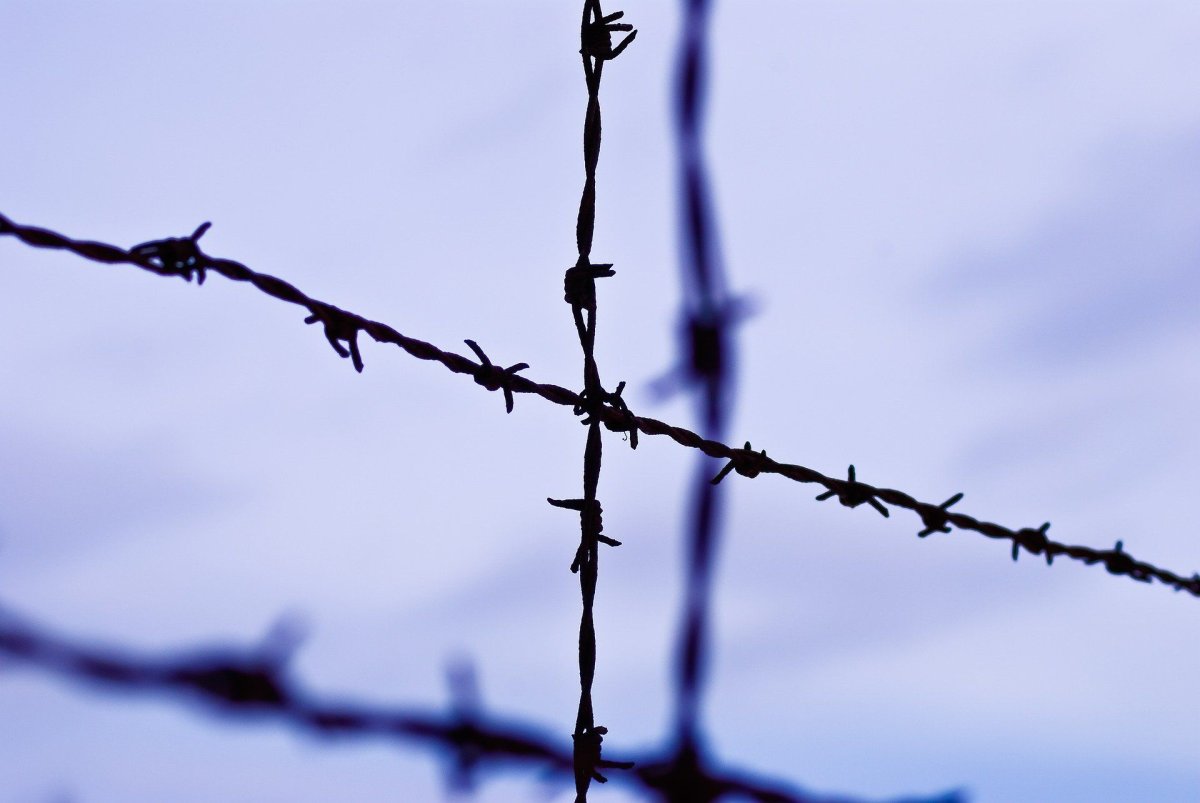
[(972, 234)]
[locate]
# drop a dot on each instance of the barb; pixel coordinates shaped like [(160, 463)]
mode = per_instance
[(493, 377), (591, 522), (935, 520), (465, 708), (747, 463), (382, 333), (1036, 542), (852, 494), (255, 684), (178, 255), (339, 326)]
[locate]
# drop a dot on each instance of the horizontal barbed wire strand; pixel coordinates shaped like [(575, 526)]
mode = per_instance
[(253, 683), (746, 461)]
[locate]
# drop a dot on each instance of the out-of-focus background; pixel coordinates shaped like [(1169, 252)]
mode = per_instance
[(973, 233)]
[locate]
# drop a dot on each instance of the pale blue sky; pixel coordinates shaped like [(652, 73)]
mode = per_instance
[(972, 229)]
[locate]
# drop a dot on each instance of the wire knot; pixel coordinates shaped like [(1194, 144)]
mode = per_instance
[(705, 345), (591, 523), (466, 742), (339, 325), (1035, 541), (596, 37), (593, 403), (579, 284), (588, 761), (745, 461), (176, 256), (1119, 562), (249, 684), (852, 493), (934, 518), (707, 351), (493, 377)]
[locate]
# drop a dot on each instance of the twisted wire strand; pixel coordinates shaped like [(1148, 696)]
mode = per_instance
[(1116, 561), (707, 361), (595, 47), (255, 683)]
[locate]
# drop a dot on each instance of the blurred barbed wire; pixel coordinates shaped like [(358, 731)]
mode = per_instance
[(705, 367), (255, 684)]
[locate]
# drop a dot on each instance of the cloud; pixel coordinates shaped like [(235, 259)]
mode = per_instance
[(1115, 269), (58, 499)]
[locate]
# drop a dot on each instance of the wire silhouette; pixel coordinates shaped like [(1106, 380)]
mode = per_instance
[(708, 364), (256, 682), (853, 493), (1116, 562), (493, 377), (579, 290)]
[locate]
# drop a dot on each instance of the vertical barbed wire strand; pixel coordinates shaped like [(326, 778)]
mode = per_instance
[(579, 285), (707, 363)]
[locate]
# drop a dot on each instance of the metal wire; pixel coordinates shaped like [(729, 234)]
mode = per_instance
[(339, 322), (256, 682), (579, 286)]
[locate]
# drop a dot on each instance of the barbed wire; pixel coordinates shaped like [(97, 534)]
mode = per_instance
[(706, 363), (255, 683), (183, 257), (579, 290)]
